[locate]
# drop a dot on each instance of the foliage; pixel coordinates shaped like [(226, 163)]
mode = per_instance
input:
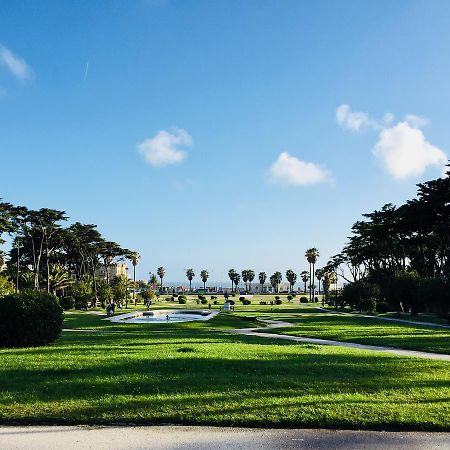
[(6, 286), (29, 318), (182, 300), (303, 299), (361, 295), (67, 302)]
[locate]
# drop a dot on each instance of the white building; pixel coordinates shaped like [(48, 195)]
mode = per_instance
[(114, 270)]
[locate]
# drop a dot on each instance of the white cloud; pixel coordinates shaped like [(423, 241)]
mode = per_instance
[(416, 121), (403, 151), (354, 121), (163, 149), (289, 170), (16, 65)]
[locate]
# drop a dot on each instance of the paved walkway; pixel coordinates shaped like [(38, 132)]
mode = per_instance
[(389, 319), (280, 324), (207, 438)]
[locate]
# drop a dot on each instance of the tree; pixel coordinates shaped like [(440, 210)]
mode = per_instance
[(121, 286), (311, 256), (236, 280), (190, 276), (275, 280), (305, 277), (251, 277), (135, 257), (262, 279), (204, 276), (231, 276), (291, 276), (245, 277), (60, 279), (161, 272), (153, 279), (319, 276)]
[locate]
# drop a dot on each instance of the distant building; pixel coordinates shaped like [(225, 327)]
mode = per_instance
[(114, 270), (267, 288)]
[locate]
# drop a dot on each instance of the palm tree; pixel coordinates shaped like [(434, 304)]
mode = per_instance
[(311, 256), (59, 279), (291, 276), (190, 276), (135, 257), (161, 272), (236, 280), (319, 276), (276, 277), (245, 277), (251, 277), (305, 277), (231, 275), (262, 279), (204, 276)]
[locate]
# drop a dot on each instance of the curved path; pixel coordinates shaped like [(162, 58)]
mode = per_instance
[(279, 324)]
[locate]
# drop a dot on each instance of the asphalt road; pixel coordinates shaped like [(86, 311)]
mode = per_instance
[(210, 438)]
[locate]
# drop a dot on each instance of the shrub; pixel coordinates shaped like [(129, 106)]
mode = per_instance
[(203, 301), (182, 300), (67, 302), (316, 299), (246, 301), (277, 297), (168, 299), (175, 295), (30, 318), (216, 302), (201, 297), (233, 294), (241, 299), (303, 299), (368, 304), (289, 297), (232, 302), (81, 302), (382, 307), (294, 295), (263, 303), (278, 301)]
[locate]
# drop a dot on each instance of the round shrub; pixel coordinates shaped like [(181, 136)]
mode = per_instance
[(216, 302), (232, 302), (241, 299), (67, 302), (203, 301), (277, 297), (368, 304), (262, 303), (289, 297), (303, 299), (81, 303), (278, 301), (246, 301), (182, 300), (29, 319), (201, 297), (382, 307)]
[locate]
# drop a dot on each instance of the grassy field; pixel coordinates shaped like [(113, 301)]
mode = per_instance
[(200, 373)]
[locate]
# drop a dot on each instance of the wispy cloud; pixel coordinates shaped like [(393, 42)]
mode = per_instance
[(289, 170), (164, 148), (353, 120), (86, 71), (15, 64)]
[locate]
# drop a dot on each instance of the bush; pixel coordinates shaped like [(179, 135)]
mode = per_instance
[(168, 299), (263, 303), (81, 302), (246, 301), (201, 297), (241, 299), (175, 295), (289, 297), (277, 297), (213, 297), (368, 304), (30, 318), (203, 301), (233, 294), (67, 302), (182, 300), (316, 299), (303, 299), (232, 302), (216, 302), (278, 301), (382, 307)]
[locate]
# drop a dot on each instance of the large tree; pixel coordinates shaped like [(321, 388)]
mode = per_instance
[(190, 276), (204, 275), (311, 256)]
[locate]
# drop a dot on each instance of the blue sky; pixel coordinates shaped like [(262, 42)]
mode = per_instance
[(222, 134)]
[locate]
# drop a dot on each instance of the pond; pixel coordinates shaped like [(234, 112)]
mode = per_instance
[(163, 316)]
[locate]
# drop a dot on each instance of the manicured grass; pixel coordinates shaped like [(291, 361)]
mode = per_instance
[(199, 373), (362, 330)]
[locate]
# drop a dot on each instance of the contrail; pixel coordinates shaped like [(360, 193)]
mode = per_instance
[(86, 71)]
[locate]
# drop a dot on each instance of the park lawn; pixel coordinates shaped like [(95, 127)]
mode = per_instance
[(362, 330), (197, 376)]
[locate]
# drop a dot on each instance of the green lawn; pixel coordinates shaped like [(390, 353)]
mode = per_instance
[(349, 328), (199, 373)]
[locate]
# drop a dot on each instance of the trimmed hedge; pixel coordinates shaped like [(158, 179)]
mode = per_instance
[(29, 319), (67, 302)]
